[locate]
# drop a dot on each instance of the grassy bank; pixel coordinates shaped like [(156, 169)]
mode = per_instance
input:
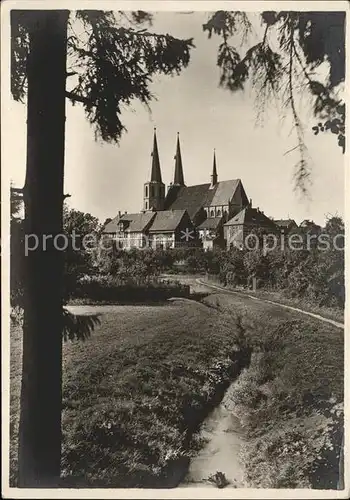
[(136, 391), (280, 296), (290, 399)]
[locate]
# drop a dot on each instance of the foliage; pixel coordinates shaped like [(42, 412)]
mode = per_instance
[(293, 47), (256, 265), (78, 261), (135, 265), (80, 222), (125, 289), (77, 327), (313, 269), (16, 250), (82, 233), (232, 271), (111, 62), (219, 479), (147, 263), (310, 267)]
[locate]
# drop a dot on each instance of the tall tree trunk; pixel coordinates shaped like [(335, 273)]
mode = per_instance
[(40, 418)]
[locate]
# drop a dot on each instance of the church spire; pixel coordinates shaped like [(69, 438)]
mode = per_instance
[(154, 190), (178, 175), (156, 175), (214, 176)]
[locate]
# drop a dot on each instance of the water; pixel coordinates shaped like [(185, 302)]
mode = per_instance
[(221, 453)]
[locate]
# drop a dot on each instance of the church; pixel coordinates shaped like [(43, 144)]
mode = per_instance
[(183, 215)]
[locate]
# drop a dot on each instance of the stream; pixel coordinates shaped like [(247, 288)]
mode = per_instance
[(224, 437)]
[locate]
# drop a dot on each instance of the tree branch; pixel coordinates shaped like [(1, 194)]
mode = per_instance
[(78, 98), (265, 34), (302, 172), (142, 33)]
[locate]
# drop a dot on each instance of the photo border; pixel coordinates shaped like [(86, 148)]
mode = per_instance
[(6, 135)]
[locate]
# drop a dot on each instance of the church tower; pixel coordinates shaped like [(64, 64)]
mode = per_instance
[(154, 191), (178, 174), (214, 175)]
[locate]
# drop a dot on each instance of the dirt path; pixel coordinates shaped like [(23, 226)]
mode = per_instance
[(296, 309)]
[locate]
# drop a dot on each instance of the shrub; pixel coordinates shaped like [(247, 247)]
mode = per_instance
[(112, 289)]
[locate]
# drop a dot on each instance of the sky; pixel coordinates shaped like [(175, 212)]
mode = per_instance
[(105, 178)]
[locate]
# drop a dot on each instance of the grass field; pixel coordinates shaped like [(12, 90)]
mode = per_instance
[(137, 390)]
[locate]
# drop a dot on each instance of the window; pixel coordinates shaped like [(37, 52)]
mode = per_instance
[(212, 213), (206, 212), (146, 206), (146, 191), (218, 212)]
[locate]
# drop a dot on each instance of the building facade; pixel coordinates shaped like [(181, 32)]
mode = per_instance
[(247, 221)]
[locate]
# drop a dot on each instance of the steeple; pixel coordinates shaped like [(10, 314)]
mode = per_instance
[(178, 175), (154, 190), (214, 175), (156, 175)]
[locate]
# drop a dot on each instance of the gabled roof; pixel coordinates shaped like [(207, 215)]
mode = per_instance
[(210, 223), (112, 226), (167, 220), (193, 198), (140, 222), (135, 223), (308, 223), (285, 222), (250, 216)]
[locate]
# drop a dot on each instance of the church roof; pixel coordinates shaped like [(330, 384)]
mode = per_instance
[(135, 223), (167, 220), (223, 192), (251, 216), (210, 223), (190, 198), (193, 198)]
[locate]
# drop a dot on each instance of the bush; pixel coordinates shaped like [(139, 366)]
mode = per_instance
[(315, 272), (111, 289)]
